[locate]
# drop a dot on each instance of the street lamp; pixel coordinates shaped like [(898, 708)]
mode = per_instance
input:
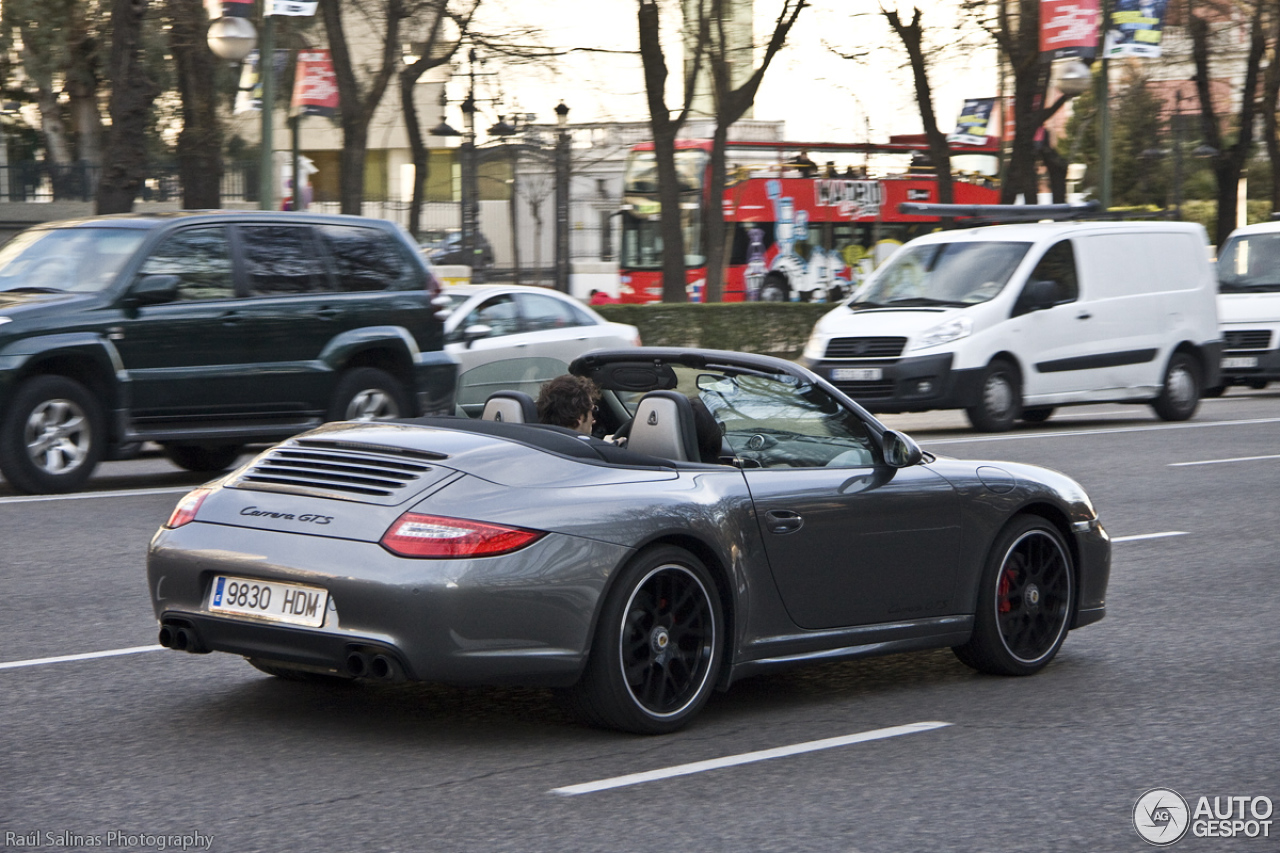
[(1074, 78), (563, 149), (504, 132), (232, 38)]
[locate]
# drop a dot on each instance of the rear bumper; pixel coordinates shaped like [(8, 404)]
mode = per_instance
[(906, 385)]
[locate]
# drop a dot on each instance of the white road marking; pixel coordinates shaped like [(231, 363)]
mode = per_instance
[(1139, 536), (1223, 461), (1104, 431), (745, 758), (122, 493), (109, 653)]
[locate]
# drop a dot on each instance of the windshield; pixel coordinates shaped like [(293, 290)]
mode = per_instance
[(642, 171), (79, 260), (1250, 263), (955, 274)]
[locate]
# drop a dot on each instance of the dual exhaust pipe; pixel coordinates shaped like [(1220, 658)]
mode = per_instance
[(378, 666), (181, 638)]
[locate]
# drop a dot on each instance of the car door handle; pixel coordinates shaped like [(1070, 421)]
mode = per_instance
[(326, 313), (1083, 315), (230, 318), (782, 521)]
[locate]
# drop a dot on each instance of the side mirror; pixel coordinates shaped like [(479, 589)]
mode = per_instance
[(155, 289), (900, 450), (1042, 294), (471, 334)]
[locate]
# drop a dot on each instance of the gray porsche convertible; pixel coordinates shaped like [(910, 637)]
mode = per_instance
[(639, 572)]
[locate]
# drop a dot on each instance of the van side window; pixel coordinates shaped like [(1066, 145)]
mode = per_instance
[(1059, 266)]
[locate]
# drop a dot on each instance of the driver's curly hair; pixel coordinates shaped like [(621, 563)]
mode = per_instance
[(566, 400)]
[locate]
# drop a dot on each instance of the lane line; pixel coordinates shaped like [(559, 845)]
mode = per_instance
[(745, 758), (1223, 461), (1141, 536), (109, 653), (79, 496), (1106, 431)]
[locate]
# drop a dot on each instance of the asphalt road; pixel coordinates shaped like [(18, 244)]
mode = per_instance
[(1178, 687)]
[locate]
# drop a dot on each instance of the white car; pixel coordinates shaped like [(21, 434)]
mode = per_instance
[(514, 338)]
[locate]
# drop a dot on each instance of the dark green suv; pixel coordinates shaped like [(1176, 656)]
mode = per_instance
[(204, 332)]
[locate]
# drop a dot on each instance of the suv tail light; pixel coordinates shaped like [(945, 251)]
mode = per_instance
[(185, 511), (417, 535)]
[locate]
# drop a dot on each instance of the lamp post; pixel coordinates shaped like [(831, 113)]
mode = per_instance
[(563, 142), (504, 132), (232, 38)]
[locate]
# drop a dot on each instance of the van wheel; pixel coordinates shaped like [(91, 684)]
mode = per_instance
[(368, 394), (1257, 384), (51, 436), (774, 288), (1000, 398), (1180, 394), (1038, 415), (203, 458)]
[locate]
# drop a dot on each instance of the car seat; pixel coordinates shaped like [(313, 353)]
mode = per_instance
[(664, 426), (709, 435), (513, 407)]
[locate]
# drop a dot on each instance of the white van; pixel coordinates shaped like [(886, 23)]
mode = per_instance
[(1249, 306), (1009, 322)]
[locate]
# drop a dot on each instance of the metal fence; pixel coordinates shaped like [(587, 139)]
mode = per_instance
[(38, 181)]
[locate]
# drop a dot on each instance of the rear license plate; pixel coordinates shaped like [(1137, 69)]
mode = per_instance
[(278, 602), (1241, 361), (857, 374)]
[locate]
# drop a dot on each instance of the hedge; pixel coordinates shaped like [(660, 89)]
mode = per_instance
[(768, 328)]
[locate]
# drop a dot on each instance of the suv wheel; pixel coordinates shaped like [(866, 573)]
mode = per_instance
[(368, 394), (203, 458), (51, 437)]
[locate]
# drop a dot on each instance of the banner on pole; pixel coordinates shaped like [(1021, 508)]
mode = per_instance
[(249, 92), (1136, 28), (292, 8), (315, 90), (1069, 28), (975, 123), (229, 9)]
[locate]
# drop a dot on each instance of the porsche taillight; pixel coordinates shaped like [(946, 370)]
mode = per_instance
[(185, 511), (416, 535)]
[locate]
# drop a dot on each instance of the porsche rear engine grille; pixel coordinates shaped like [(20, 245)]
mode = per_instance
[(1247, 339), (334, 469), (865, 347)]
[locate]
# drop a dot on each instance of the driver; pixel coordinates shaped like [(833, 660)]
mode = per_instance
[(568, 401)]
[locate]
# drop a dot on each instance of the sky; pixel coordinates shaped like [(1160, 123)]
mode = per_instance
[(820, 95)]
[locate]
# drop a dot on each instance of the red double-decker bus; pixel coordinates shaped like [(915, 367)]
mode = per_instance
[(801, 231)]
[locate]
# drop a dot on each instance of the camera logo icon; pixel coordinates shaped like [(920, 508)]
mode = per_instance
[(1161, 816)]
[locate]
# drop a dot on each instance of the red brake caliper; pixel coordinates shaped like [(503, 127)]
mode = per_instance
[(1002, 593)]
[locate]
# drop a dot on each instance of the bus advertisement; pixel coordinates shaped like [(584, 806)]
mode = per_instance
[(799, 231)]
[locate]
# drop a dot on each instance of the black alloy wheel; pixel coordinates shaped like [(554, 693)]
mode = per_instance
[(1025, 603), (368, 394), (999, 398), (657, 649), (52, 436)]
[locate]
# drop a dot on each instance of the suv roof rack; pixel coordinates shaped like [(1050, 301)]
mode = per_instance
[(988, 213)]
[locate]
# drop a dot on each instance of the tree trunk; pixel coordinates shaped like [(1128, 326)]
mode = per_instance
[(912, 36), (1055, 166), (716, 229), (1270, 94), (124, 161), (1229, 162), (82, 90), (200, 141), (664, 130), (409, 77), (356, 110)]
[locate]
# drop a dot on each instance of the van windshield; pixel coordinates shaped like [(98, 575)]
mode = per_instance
[(53, 260), (1250, 263), (954, 274)]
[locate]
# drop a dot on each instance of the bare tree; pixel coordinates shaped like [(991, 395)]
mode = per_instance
[(1230, 160), (1267, 106), (1015, 26), (665, 127), (124, 159), (912, 36), (200, 140), (359, 100), (731, 104)]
